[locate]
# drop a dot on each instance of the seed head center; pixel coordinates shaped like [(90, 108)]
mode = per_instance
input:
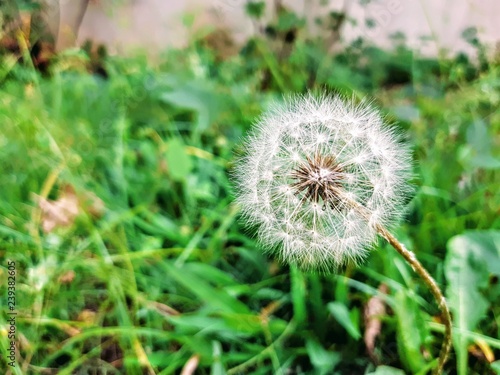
[(319, 178), (322, 176)]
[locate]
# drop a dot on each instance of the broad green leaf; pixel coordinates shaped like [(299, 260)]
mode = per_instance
[(178, 161), (470, 260), (195, 96), (341, 313), (323, 360), (407, 112), (486, 162), (479, 147), (411, 332)]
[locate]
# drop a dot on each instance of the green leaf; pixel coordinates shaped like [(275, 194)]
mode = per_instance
[(298, 294), (323, 360), (217, 367), (228, 326), (387, 370), (255, 9), (341, 313), (195, 96), (289, 20), (178, 161), (216, 298), (197, 344), (407, 112), (211, 274), (411, 332), (479, 149), (495, 366), (470, 260), (245, 323)]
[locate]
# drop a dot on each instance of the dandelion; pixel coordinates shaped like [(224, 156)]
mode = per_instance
[(318, 176), (321, 177)]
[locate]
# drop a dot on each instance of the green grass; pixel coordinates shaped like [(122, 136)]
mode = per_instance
[(166, 272)]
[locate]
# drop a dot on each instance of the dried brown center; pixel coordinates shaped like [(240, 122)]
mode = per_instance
[(319, 177)]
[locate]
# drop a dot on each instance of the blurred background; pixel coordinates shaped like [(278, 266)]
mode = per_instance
[(120, 123), (430, 27)]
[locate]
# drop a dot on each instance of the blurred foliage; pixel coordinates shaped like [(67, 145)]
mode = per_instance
[(164, 272)]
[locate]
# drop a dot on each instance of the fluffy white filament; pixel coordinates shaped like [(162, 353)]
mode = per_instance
[(322, 234)]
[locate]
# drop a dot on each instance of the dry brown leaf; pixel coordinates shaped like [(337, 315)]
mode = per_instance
[(482, 350), (24, 343), (62, 212), (70, 330), (374, 310), (87, 316), (165, 309), (67, 277), (191, 365), (268, 310)]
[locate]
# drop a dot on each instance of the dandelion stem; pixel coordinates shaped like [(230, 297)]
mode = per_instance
[(422, 272), (434, 288)]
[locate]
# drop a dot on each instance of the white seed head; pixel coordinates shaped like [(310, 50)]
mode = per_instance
[(319, 174)]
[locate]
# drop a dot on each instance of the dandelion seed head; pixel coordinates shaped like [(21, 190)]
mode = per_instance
[(310, 163)]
